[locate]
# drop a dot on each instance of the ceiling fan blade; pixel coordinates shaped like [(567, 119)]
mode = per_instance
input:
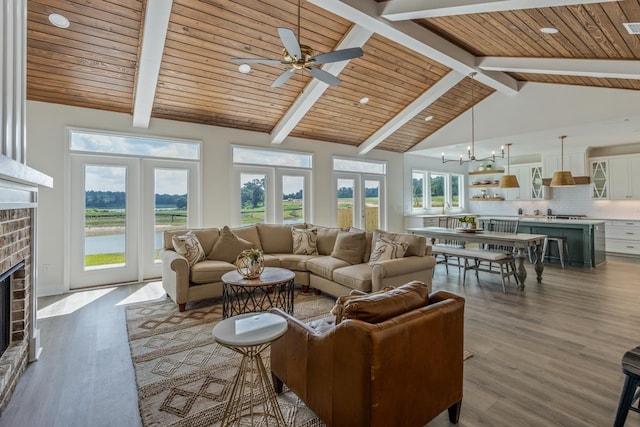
[(323, 76), (257, 61), (282, 79), (337, 55), (290, 42)]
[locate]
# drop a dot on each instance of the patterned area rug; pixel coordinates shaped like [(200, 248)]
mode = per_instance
[(184, 377)]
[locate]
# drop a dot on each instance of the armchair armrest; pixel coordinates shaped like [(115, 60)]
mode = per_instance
[(302, 347)]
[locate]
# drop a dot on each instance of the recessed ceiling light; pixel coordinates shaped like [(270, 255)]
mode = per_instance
[(244, 68), (632, 27), (364, 100), (59, 20), (428, 118), (549, 30)]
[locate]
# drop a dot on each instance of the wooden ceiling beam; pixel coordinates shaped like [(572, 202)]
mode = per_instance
[(356, 37), (403, 10), (417, 38), (156, 23), (599, 68), (427, 98)]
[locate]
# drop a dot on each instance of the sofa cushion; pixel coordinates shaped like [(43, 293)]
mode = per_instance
[(209, 271), (324, 266), (228, 246), (249, 234), (376, 308), (294, 262), (206, 236), (354, 276), (275, 238), (349, 246), (367, 247), (271, 260), (384, 250), (417, 244), (326, 239), (189, 247), (305, 241)]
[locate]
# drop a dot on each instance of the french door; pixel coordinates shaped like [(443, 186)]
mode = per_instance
[(360, 201), (119, 207)]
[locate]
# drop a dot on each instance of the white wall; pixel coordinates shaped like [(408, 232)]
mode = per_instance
[(46, 131)]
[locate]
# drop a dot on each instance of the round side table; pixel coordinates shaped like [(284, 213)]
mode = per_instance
[(273, 288), (250, 334)]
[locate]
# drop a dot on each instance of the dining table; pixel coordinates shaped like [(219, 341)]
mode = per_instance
[(522, 242)]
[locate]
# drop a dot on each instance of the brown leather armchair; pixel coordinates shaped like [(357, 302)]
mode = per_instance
[(402, 371)]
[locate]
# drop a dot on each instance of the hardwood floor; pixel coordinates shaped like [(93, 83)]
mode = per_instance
[(548, 356)]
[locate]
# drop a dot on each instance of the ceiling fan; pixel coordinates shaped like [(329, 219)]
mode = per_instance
[(298, 56)]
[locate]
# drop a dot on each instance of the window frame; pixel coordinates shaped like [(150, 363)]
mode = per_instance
[(273, 186), (427, 204)]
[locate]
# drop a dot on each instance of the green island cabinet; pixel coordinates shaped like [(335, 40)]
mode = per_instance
[(585, 239)]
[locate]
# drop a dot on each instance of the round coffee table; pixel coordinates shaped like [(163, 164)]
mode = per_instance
[(250, 334), (274, 288)]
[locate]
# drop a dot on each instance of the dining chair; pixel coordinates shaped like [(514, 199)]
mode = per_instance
[(502, 226), (448, 222)]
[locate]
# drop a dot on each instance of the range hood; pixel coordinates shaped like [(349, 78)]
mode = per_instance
[(580, 180)]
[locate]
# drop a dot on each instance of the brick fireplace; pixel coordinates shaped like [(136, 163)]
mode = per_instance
[(15, 248), (19, 185)]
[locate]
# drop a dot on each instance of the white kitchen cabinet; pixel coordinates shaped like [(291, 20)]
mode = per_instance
[(622, 237), (599, 179), (574, 162), (624, 178), (530, 180)]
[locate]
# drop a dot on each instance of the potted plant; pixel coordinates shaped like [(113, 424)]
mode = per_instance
[(468, 221)]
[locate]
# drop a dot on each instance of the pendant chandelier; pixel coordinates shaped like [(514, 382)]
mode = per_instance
[(471, 154), (562, 178), (508, 180)]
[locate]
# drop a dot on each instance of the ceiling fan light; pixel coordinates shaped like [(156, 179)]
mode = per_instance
[(509, 181), (562, 179), (244, 68)]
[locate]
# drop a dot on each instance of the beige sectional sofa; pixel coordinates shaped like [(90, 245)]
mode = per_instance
[(336, 275)]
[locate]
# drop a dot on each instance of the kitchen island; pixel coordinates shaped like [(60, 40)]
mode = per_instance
[(585, 237)]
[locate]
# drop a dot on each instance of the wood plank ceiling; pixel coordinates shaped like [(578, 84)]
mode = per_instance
[(94, 62)]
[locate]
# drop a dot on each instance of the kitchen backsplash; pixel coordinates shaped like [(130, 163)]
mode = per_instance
[(571, 200)]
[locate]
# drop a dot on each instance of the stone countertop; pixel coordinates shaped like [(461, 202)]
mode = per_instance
[(545, 219), (441, 215)]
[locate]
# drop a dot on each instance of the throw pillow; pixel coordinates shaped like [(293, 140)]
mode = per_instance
[(305, 241), (385, 249), (189, 247), (228, 246), (349, 247), (338, 309), (376, 308)]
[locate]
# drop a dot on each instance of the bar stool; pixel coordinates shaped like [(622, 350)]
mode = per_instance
[(631, 368), (563, 248)]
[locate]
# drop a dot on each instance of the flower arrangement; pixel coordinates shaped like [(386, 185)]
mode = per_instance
[(253, 254), (468, 221)]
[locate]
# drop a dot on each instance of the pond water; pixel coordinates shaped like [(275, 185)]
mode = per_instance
[(112, 243)]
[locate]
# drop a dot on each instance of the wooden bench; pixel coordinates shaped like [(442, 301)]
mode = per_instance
[(478, 256)]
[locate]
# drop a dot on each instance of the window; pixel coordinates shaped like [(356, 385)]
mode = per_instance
[(441, 190), (274, 186), (106, 143), (359, 186), (125, 191)]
